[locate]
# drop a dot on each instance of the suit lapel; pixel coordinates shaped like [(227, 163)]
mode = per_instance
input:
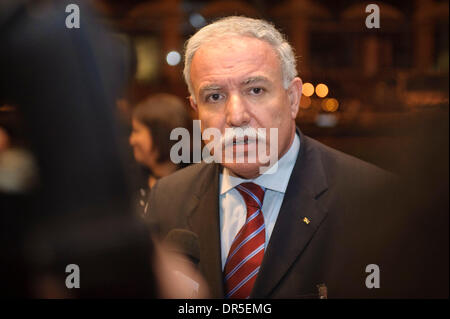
[(292, 232), (204, 221)]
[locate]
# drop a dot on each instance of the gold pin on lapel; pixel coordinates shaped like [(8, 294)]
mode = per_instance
[(306, 220)]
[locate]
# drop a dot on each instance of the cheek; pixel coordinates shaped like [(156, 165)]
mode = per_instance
[(284, 115), (208, 118), (142, 142), (146, 143), (271, 114), (275, 114)]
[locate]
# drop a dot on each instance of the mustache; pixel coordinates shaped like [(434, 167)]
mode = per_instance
[(245, 134)]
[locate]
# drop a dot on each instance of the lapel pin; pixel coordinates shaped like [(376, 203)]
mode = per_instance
[(306, 220)]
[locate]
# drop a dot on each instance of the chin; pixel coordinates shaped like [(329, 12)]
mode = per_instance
[(139, 159), (244, 170)]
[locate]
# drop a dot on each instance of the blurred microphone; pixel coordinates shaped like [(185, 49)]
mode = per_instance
[(183, 243)]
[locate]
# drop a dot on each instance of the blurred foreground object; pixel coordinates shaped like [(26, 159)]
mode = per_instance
[(64, 83)]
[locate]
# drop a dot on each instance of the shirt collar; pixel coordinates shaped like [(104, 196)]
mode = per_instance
[(276, 182)]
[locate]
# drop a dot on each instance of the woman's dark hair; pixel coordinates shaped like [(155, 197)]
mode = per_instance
[(161, 113)]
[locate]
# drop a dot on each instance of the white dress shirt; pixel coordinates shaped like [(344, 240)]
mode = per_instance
[(233, 211)]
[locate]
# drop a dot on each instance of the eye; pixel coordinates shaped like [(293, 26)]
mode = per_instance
[(213, 97), (256, 91)]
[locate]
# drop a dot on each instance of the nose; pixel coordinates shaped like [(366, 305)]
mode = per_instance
[(236, 111), (131, 139)]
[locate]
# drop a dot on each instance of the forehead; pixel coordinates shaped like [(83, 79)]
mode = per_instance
[(234, 58)]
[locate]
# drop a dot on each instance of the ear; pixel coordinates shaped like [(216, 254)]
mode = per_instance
[(193, 103), (294, 94)]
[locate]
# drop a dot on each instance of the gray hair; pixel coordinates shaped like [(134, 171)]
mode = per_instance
[(242, 26)]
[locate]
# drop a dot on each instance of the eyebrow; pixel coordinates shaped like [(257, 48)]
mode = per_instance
[(210, 87), (255, 79), (250, 80)]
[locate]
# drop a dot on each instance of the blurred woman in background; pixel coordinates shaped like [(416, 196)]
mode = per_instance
[(152, 122)]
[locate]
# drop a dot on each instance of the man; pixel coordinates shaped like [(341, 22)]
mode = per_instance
[(274, 235)]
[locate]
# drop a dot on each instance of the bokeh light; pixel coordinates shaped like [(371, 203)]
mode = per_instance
[(308, 89), (330, 105), (321, 90), (173, 58), (197, 20)]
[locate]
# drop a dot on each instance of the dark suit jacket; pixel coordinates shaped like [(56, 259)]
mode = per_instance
[(336, 192)]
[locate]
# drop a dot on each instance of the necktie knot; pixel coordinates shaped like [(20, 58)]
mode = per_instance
[(252, 193)]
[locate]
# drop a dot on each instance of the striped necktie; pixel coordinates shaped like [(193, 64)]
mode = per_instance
[(247, 250)]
